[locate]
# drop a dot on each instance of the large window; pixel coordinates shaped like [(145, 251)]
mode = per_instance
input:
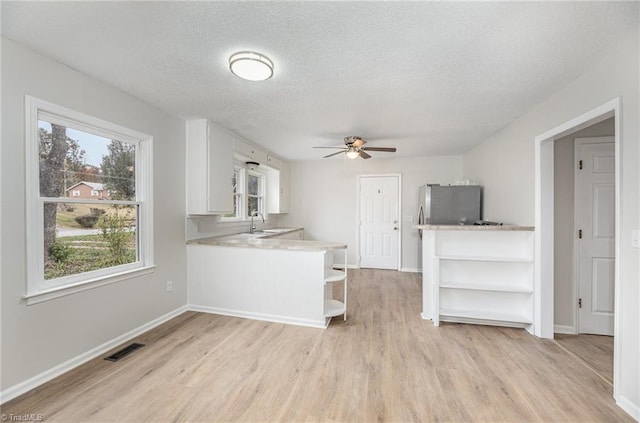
[(248, 194), (89, 215)]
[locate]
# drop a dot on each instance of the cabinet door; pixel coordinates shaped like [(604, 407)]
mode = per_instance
[(196, 166), (220, 171), (248, 151), (285, 196), (243, 148), (274, 162)]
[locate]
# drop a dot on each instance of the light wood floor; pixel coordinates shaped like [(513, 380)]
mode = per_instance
[(383, 364), (595, 351)]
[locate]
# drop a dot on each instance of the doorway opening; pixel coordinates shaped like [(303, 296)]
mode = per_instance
[(557, 273), (584, 204)]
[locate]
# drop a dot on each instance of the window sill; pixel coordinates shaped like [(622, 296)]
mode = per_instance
[(50, 294)]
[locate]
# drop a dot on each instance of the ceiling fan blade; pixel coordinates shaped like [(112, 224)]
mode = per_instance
[(332, 154), (364, 155), (387, 149), (341, 148)]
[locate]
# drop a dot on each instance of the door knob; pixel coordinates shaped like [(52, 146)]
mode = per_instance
[(395, 228)]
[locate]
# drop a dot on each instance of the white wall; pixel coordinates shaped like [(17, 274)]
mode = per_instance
[(324, 193), (504, 164), (564, 234), (38, 337)]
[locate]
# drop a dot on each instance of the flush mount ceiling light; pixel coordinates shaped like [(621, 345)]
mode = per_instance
[(251, 66)]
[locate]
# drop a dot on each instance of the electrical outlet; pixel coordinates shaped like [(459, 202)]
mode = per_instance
[(169, 286), (635, 238)]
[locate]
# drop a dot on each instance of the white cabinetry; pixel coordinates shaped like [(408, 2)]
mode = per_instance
[(209, 168), (249, 151), (271, 284), (273, 161), (278, 187), (285, 188), (479, 276)]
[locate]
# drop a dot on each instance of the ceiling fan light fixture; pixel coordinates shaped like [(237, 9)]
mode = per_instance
[(251, 66), (352, 153)]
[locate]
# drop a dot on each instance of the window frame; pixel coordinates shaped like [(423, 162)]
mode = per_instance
[(241, 195), (37, 288), (261, 196), (237, 196)]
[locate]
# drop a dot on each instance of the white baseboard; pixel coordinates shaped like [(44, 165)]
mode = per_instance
[(29, 384), (630, 408), (261, 316), (569, 330), (410, 269)]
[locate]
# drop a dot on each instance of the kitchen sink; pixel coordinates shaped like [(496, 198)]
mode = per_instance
[(276, 230), (241, 236)]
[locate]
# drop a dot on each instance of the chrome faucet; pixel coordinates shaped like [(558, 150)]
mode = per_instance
[(255, 213)]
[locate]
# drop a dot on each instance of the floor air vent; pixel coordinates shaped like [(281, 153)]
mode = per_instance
[(124, 352)]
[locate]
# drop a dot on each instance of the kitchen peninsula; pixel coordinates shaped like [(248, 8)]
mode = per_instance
[(266, 277), (478, 274)]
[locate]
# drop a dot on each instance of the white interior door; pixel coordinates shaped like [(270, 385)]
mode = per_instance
[(379, 222), (595, 220)]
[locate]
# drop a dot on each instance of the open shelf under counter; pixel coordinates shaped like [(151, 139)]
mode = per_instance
[(478, 276), (333, 308), (475, 316), (334, 275), (496, 288), (496, 245), (488, 258)]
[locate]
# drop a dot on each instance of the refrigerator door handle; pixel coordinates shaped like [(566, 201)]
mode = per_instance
[(420, 220)]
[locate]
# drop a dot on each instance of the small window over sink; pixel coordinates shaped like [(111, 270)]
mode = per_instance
[(248, 194)]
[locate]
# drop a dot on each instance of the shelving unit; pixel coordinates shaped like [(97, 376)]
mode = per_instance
[(332, 275), (482, 277)]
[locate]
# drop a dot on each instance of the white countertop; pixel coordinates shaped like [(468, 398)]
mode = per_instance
[(264, 240), (474, 228)]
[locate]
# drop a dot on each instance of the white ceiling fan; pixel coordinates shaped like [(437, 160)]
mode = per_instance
[(354, 147)]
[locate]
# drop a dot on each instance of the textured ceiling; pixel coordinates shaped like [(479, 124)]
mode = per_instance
[(429, 78)]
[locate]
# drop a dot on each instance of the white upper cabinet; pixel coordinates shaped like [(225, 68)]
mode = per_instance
[(209, 168), (285, 187), (273, 161), (249, 151), (278, 186)]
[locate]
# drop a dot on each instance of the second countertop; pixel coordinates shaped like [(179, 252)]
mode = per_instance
[(265, 240)]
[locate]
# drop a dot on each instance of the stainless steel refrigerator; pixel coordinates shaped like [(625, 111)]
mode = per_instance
[(448, 205)]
